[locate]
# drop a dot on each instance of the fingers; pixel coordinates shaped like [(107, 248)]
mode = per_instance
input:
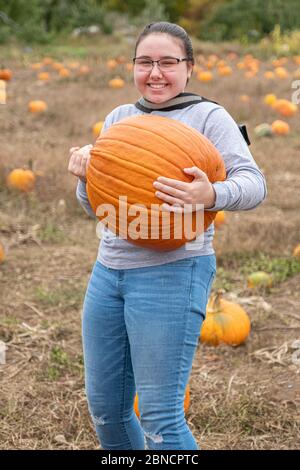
[(79, 160), (79, 157), (180, 185), (185, 209), (83, 163), (85, 148), (172, 208), (196, 172), (169, 189), (169, 199), (72, 149)]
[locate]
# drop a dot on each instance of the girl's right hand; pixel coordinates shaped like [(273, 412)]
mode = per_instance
[(79, 160)]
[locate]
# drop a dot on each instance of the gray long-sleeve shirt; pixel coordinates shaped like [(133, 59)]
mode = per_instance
[(243, 189)]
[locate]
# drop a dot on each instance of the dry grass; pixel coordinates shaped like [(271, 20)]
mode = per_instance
[(241, 398)]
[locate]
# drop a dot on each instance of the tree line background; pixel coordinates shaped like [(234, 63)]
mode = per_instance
[(217, 20)]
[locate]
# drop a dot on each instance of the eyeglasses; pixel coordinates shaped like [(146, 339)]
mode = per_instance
[(166, 64)]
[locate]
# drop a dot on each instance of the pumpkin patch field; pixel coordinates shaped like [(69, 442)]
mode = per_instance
[(244, 389)]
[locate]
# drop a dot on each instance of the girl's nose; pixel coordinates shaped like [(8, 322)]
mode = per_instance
[(155, 72)]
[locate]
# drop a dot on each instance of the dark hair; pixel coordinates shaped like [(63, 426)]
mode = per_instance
[(173, 30)]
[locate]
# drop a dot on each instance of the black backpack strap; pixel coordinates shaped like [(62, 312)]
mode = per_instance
[(243, 129)]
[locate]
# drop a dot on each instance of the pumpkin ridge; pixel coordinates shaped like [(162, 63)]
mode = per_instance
[(168, 122), (95, 170), (197, 134), (204, 160), (115, 199), (113, 157), (149, 151)]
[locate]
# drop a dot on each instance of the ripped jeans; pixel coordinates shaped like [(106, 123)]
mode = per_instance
[(140, 333)]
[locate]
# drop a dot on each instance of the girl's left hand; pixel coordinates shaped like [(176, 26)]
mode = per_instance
[(176, 194)]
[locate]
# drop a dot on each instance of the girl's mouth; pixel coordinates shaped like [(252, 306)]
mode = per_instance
[(157, 86)]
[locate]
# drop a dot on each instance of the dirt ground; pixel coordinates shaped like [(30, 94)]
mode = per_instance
[(246, 397)]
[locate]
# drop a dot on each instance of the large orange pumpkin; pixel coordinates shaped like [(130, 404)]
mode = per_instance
[(125, 161)]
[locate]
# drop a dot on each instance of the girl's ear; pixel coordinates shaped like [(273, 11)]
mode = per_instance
[(190, 70)]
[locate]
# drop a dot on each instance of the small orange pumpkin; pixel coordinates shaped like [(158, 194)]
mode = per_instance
[(64, 72), (270, 99), (220, 219), (210, 64), (280, 127), (187, 401), (116, 83), (5, 74), (111, 64), (23, 180), (57, 65), (269, 75), (44, 76), (37, 106), (225, 322), (97, 128), (296, 252), (224, 70), (285, 107), (205, 76), (281, 72)]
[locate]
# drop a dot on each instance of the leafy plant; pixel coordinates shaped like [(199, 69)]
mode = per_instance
[(280, 43), (249, 20)]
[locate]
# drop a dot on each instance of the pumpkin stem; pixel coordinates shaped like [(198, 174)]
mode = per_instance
[(30, 164), (215, 299)]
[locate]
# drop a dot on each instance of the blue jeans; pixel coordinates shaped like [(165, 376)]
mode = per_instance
[(140, 332)]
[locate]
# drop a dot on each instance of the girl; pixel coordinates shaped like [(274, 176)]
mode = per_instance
[(143, 309)]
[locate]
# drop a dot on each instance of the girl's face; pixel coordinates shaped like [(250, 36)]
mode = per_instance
[(155, 85)]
